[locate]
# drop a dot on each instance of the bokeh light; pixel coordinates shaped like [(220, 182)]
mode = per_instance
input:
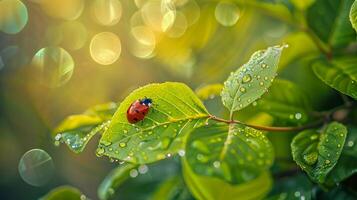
[(13, 16), (143, 42), (63, 9), (36, 167), (105, 48), (53, 66), (70, 35), (227, 13), (107, 12), (178, 27), (13, 57), (159, 15)]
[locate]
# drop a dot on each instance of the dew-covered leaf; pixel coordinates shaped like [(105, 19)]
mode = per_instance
[(211, 188), (113, 180), (345, 166), (285, 101), (209, 91), (251, 80), (340, 74), (329, 20), (234, 153), (317, 153), (64, 192), (353, 15), (76, 130), (176, 110)]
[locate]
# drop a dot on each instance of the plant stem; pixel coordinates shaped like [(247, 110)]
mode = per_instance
[(325, 117)]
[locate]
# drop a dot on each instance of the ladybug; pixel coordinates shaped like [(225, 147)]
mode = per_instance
[(138, 110)]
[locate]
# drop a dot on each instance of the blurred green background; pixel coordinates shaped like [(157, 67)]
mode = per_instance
[(197, 42)]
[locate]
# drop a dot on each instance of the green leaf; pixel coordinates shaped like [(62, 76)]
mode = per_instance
[(209, 91), (346, 165), (210, 188), (113, 180), (317, 154), (340, 74), (251, 80), (329, 20), (76, 130), (176, 111), (285, 101), (171, 189), (64, 192), (234, 153), (292, 187), (353, 15)]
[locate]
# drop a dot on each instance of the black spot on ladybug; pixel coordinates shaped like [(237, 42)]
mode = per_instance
[(136, 119), (137, 111), (143, 113)]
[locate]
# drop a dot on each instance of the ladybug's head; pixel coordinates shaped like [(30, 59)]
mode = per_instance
[(146, 101)]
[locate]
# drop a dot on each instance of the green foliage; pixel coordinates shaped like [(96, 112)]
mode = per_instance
[(345, 168), (340, 74), (316, 153), (76, 130), (283, 104), (234, 153), (64, 192), (329, 20), (223, 158), (295, 187), (210, 188), (113, 180), (175, 112), (353, 15), (251, 80)]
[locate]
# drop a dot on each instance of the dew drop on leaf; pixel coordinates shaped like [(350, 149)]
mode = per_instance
[(36, 167), (310, 158), (298, 116), (246, 78), (133, 173), (100, 151), (122, 144)]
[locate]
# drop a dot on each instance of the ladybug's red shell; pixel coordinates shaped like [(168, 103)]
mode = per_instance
[(137, 111)]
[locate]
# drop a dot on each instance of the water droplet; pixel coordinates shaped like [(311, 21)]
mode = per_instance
[(181, 152), (350, 143), (314, 137), (327, 161), (58, 137), (242, 89), (263, 65), (122, 144), (255, 103), (100, 151), (133, 173), (261, 83), (125, 131), (36, 167), (338, 145), (143, 169), (216, 164), (297, 194), (246, 78), (310, 158), (298, 116), (202, 158)]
